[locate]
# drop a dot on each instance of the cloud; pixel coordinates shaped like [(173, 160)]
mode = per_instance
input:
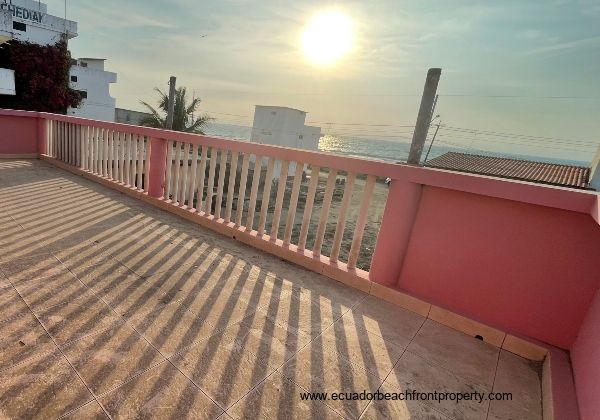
[(593, 41)]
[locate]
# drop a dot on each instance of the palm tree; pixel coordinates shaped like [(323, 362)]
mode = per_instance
[(184, 118)]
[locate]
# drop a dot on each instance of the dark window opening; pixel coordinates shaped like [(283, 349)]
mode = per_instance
[(19, 26), (83, 93), (73, 78)]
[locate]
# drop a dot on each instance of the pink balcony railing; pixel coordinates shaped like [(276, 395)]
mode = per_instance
[(189, 171), (513, 262)]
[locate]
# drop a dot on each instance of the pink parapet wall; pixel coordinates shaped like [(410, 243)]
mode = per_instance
[(19, 133), (523, 268), (585, 358)]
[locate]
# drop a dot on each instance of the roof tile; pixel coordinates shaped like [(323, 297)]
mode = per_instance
[(525, 170)]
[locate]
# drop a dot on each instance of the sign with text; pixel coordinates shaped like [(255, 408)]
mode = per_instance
[(22, 12)]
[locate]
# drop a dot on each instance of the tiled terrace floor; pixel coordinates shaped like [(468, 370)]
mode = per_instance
[(112, 307)]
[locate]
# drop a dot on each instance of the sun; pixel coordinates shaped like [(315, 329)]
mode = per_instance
[(327, 38)]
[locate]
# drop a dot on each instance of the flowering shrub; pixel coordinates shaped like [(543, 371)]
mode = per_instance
[(41, 77)]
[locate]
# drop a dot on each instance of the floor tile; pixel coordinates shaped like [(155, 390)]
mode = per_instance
[(392, 323), (466, 356), (153, 253), (401, 410), (271, 342), (309, 314), (415, 373), (318, 368), (521, 378), (11, 304), (307, 282), (57, 288), (222, 367), (220, 309), (46, 387), (132, 296), (160, 393), (509, 410), (97, 271), (107, 359), (172, 328), (33, 267), (279, 398), (4, 282), (366, 350), (22, 338), (90, 411), (71, 321)]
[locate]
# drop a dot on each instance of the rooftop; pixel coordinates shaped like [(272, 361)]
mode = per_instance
[(153, 273), (525, 170), (113, 307)]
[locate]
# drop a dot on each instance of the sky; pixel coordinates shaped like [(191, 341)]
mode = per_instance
[(526, 67)]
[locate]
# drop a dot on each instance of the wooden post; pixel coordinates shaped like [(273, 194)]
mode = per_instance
[(424, 118)]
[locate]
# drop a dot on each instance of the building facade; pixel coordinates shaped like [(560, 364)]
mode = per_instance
[(29, 21), (128, 116), (89, 78), (283, 126)]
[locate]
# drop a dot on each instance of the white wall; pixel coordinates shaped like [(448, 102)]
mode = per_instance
[(98, 105), (282, 126)]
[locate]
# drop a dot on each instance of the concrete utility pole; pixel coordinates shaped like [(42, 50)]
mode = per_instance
[(171, 104), (424, 118)]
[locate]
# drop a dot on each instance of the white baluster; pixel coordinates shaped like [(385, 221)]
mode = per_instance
[(361, 221)]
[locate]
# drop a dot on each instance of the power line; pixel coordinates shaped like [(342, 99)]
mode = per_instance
[(535, 145), (473, 130), (465, 95), (359, 124), (522, 137), (402, 94)]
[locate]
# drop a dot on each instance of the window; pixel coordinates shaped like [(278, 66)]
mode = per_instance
[(19, 26), (73, 78), (83, 94)]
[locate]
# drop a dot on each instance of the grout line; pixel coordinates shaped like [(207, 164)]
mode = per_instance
[(64, 356), (166, 359), (494, 383)]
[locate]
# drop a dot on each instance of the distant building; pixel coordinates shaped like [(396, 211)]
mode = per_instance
[(28, 20), (524, 170), (283, 126), (128, 116), (89, 78)]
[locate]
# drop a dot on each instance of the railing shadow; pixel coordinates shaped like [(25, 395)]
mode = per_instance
[(219, 282)]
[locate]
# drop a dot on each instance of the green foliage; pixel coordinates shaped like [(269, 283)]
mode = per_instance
[(184, 118), (41, 77)]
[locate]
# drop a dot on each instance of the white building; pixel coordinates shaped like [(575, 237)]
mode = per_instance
[(89, 78), (28, 20), (283, 126)]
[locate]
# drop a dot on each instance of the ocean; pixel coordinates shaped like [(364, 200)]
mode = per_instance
[(378, 149)]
